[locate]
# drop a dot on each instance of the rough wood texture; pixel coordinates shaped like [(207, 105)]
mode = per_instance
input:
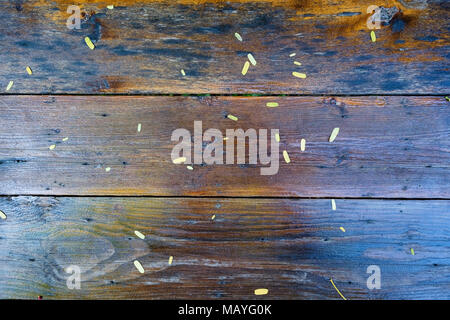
[(387, 147), (291, 247), (142, 46)]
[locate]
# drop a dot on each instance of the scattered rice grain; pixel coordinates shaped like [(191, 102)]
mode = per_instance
[(107, 169), (260, 292), (190, 168), (297, 63), (10, 84), (245, 68), (252, 59), (412, 252), (238, 36), (30, 72), (334, 134), (140, 235), (139, 127), (286, 156), (231, 117), (52, 147), (138, 266), (342, 229), (277, 137), (89, 43), (272, 104), (182, 72), (302, 145), (299, 75), (333, 204), (2, 215), (373, 36), (179, 160), (292, 54), (170, 260)]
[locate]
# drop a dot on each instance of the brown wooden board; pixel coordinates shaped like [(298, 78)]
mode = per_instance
[(290, 247), (141, 47), (392, 147)]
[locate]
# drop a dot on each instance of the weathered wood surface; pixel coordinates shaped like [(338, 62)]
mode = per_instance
[(141, 46), (393, 147), (291, 247)]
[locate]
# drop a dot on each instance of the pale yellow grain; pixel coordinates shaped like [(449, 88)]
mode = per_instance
[(245, 68), (138, 266), (334, 134)]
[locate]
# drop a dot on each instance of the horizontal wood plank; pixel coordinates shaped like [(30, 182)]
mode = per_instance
[(141, 47), (393, 147), (291, 247)]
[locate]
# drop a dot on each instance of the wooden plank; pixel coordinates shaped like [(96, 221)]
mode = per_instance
[(291, 247), (393, 147), (142, 46)]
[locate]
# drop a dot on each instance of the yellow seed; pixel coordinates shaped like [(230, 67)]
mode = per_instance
[(238, 36), (260, 292), (10, 84), (252, 59), (138, 266), (334, 134), (190, 168), (110, 7), (412, 252), (89, 43), (297, 63), (139, 127), (29, 71), (213, 217), (373, 36), (292, 54), (179, 160), (272, 104), (245, 68), (302, 145), (140, 235), (277, 137), (170, 260), (299, 75), (226, 138), (342, 229), (231, 117), (333, 204), (65, 139), (286, 156), (2, 215), (107, 169), (52, 147), (182, 72)]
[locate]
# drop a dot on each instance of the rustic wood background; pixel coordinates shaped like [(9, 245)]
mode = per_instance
[(388, 169)]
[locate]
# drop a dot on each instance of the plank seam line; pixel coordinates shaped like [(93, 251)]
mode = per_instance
[(248, 95), (222, 197)]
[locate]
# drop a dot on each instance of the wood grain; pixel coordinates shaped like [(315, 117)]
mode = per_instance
[(392, 147), (141, 46), (291, 247)]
